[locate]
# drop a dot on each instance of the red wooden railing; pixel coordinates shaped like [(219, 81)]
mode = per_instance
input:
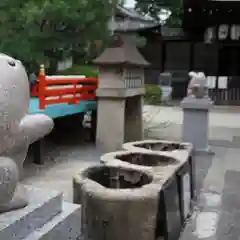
[(65, 89)]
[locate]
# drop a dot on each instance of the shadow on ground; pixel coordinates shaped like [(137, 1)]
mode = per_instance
[(66, 151)]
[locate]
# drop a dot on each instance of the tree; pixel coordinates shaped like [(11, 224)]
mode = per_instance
[(156, 8), (45, 31)]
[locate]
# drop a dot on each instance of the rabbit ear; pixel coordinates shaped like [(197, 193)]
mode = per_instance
[(201, 75), (192, 74)]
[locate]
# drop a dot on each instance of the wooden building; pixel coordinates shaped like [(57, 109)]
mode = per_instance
[(213, 30), (208, 41), (130, 20), (168, 51)]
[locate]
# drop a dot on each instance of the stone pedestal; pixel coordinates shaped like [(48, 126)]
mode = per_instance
[(195, 127), (119, 118), (45, 217)]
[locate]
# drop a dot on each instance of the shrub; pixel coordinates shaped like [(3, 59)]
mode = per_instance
[(153, 94), (87, 70)]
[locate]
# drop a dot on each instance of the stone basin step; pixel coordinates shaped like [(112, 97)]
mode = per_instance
[(65, 226), (43, 206)]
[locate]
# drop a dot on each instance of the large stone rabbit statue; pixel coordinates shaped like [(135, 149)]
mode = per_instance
[(197, 86), (18, 129)]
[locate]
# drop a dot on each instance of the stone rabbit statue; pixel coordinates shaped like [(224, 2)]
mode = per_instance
[(18, 130), (197, 86)]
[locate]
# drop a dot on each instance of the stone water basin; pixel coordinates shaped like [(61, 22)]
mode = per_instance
[(161, 165), (182, 152), (185, 170), (164, 169), (116, 199), (158, 145), (117, 177)]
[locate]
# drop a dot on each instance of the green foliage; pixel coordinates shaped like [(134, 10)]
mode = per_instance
[(155, 8), (153, 94), (87, 70), (121, 2), (175, 20), (139, 40), (46, 31)]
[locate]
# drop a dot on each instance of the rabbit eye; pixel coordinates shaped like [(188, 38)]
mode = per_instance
[(11, 63)]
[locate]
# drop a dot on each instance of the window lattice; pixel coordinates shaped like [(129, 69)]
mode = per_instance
[(133, 79)]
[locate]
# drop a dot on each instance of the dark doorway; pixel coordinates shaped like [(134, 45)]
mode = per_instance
[(229, 61), (229, 66)]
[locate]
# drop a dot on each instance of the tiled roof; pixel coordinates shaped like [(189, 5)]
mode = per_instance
[(131, 21), (132, 13), (122, 51), (131, 25)]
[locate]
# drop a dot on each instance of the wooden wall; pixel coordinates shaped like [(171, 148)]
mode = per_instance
[(179, 56)]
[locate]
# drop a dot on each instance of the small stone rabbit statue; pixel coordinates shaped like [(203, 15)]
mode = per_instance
[(197, 86)]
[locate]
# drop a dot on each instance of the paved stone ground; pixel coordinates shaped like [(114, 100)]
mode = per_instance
[(62, 163), (217, 214), (224, 124)]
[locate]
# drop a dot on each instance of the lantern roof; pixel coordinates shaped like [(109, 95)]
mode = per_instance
[(121, 51)]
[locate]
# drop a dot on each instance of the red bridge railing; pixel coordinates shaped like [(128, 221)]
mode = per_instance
[(69, 89)]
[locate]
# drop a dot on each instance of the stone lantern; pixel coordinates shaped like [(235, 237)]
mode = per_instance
[(120, 94)]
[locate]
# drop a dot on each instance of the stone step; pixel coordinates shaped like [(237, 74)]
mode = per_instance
[(43, 206), (65, 226)]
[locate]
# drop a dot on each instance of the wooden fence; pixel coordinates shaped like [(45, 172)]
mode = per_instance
[(69, 89), (224, 90)]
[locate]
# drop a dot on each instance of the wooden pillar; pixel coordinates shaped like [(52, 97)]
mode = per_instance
[(93, 129), (163, 56), (42, 83), (220, 52), (37, 148), (191, 57)]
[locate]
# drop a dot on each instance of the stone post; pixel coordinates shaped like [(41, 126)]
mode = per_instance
[(120, 94), (195, 127)]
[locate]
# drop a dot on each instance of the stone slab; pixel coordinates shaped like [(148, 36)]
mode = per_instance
[(231, 193), (196, 103), (228, 224), (66, 225), (204, 152), (43, 206), (202, 165)]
